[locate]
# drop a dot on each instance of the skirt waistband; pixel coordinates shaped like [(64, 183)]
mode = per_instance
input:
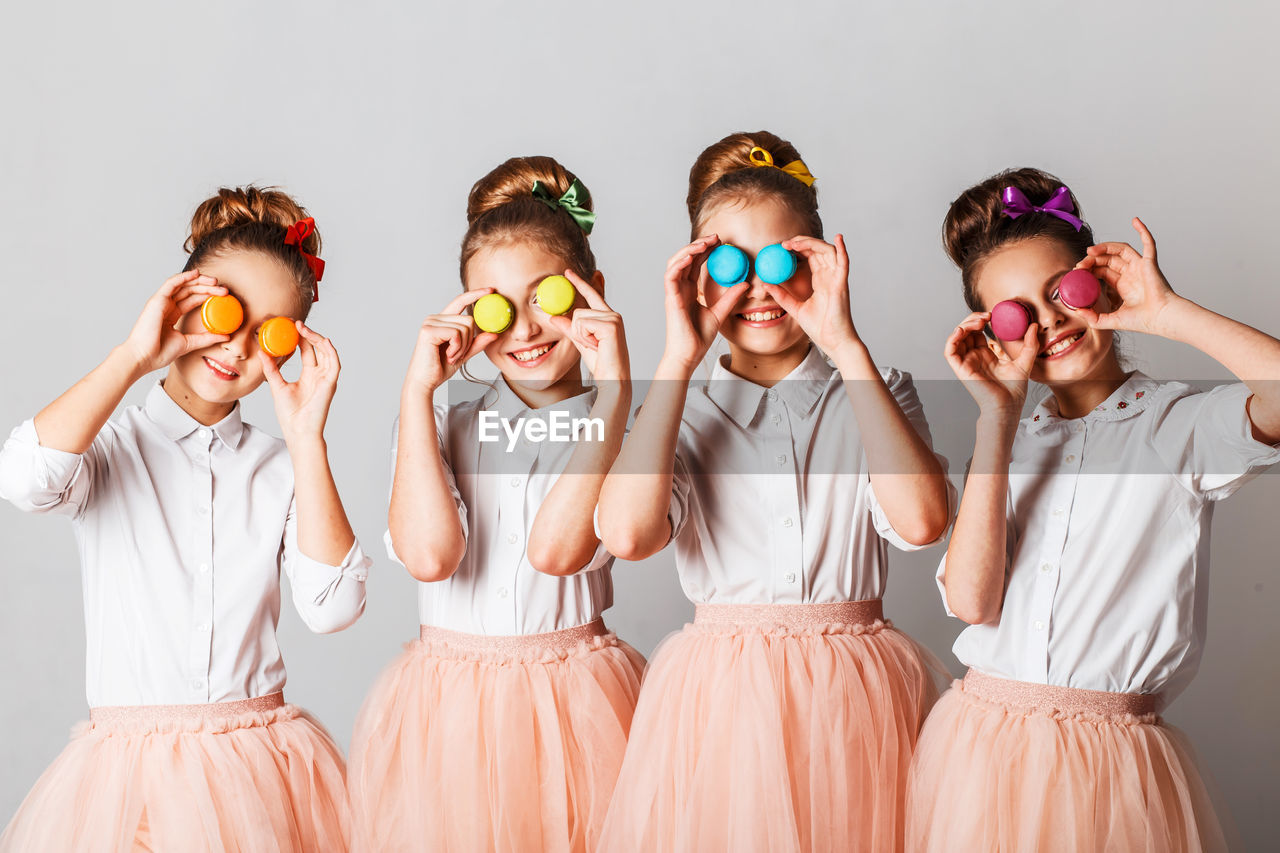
[(1067, 700), (563, 641), (114, 714), (791, 615)]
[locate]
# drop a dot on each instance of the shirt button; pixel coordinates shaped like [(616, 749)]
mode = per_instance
[(197, 684), (204, 568), (513, 538), (200, 457), (204, 435), (515, 482), (1079, 427), (1058, 512), (1046, 567), (789, 577), (203, 510), (202, 627), (1039, 625), (772, 395), (782, 458), (777, 419), (1071, 458), (503, 592), (787, 522)]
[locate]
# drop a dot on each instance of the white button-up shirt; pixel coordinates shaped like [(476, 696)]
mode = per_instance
[(1108, 538), (498, 491), (772, 499), (183, 530)]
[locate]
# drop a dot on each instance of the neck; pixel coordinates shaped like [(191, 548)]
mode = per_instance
[(569, 385), (1079, 398), (200, 409), (767, 369)]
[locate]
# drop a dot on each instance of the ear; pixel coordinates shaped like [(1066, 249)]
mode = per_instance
[(703, 278), (1114, 301), (996, 347), (597, 281)]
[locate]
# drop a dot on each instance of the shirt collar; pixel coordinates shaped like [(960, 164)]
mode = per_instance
[(177, 424), (800, 389), (501, 398), (1125, 402)]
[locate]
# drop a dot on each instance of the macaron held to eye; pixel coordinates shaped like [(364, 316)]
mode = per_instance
[(556, 294), (1077, 289), (222, 315), (728, 265), (493, 312)]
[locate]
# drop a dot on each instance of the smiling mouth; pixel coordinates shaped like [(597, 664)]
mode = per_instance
[(1061, 345), (763, 316), (532, 354), (220, 369)]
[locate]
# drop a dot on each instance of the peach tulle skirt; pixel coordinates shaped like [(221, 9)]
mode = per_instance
[(472, 743), (774, 728), (256, 775), (1008, 765)]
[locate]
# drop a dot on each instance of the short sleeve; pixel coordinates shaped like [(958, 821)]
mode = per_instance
[(441, 418), (41, 479), (904, 393), (1206, 439)]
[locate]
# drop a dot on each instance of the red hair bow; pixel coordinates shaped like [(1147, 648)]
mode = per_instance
[(294, 235)]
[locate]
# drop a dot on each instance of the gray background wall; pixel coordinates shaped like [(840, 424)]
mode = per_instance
[(118, 121)]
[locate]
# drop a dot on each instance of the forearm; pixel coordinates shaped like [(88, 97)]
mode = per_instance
[(324, 533), (906, 476), (1252, 356), (71, 422), (636, 496), (423, 517), (976, 556), (563, 538)]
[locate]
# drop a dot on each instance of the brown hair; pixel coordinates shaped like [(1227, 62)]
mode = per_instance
[(501, 208), (249, 219), (976, 225), (725, 172)]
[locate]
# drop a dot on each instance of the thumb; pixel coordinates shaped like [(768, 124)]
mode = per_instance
[(785, 300), (1030, 348), (271, 371)]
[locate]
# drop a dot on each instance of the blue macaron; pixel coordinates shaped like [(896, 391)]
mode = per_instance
[(728, 265), (774, 264)]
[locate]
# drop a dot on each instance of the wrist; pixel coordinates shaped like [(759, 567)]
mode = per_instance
[(1170, 319), (675, 367), (999, 420), (126, 359), (851, 356), (309, 445)]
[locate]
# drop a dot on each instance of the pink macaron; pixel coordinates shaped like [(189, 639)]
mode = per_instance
[(1079, 289), (1009, 320)]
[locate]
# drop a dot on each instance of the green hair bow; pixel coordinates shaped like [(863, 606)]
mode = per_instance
[(571, 202)]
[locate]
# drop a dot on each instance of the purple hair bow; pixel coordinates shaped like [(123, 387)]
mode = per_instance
[(1059, 205)]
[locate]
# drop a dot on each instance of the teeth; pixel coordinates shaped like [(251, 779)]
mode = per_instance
[(1062, 344), (221, 370), (762, 316), (530, 355)]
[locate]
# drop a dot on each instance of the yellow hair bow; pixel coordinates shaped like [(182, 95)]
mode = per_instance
[(796, 168)]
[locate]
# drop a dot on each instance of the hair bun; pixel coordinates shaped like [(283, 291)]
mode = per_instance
[(512, 182), (249, 205), (732, 154)]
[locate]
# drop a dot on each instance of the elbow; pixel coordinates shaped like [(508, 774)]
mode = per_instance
[(555, 561), (630, 543), (430, 568), (975, 610), (924, 531)]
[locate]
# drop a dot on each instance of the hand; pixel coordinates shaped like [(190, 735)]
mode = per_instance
[(996, 382), (302, 406), (597, 332), (1136, 278), (823, 315), (155, 340), (691, 326), (447, 341)]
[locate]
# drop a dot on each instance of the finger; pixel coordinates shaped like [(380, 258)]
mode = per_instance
[(465, 299), (1113, 250), (842, 252), (584, 334), (1030, 348), (694, 249), (204, 339), (307, 353), (785, 300), (478, 345), (1096, 320), (811, 247), (173, 282), (271, 371), (589, 293), (308, 333), (1148, 242), (560, 323), (190, 302), (728, 301)]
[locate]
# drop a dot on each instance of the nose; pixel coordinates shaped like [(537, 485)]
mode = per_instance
[(525, 327), (1049, 314), (238, 346)]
